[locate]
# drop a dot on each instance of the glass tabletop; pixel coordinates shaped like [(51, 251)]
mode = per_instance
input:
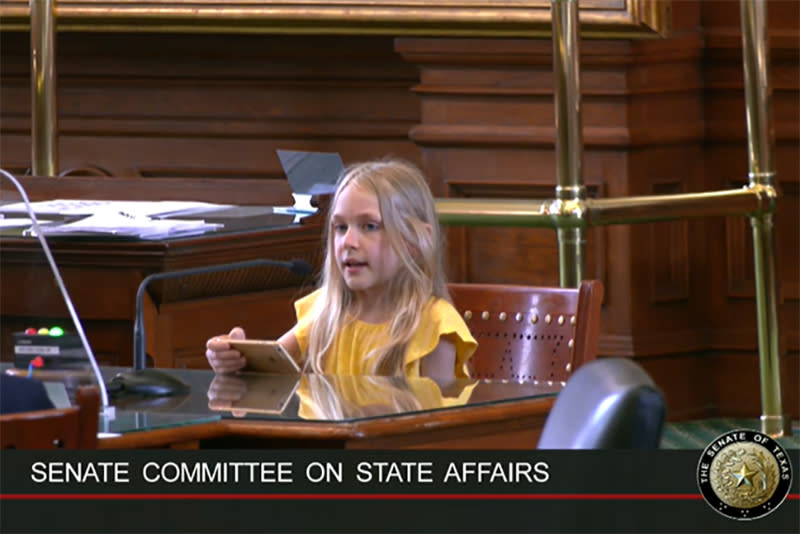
[(321, 398), (291, 398), (126, 421)]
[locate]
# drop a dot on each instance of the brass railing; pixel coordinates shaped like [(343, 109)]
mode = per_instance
[(570, 212), (44, 116)]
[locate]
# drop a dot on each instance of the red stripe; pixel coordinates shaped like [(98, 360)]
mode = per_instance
[(353, 496), (360, 496)]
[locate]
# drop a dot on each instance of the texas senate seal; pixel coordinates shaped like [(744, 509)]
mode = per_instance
[(744, 474)]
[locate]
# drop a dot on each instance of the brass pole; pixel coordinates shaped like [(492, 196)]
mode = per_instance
[(569, 148), (760, 138), (559, 214), (570, 213), (44, 115), (652, 208)]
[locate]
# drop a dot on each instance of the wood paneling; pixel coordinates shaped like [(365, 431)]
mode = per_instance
[(669, 255), (103, 276), (659, 116), (488, 130), (212, 106), (731, 290), (478, 255)]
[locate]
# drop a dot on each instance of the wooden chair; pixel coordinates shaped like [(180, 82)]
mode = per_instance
[(66, 428), (527, 333)]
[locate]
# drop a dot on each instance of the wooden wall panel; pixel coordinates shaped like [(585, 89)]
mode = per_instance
[(488, 130), (669, 255), (731, 290), (212, 106), (659, 116)]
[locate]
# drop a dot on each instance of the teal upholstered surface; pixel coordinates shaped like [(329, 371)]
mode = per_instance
[(698, 434)]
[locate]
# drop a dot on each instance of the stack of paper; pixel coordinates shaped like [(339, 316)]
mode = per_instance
[(113, 222), (139, 208), (16, 222)]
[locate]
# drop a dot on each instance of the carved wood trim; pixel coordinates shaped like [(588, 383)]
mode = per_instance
[(223, 126), (739, 249), (544, 136), (496, 18), (654, 343), (669, 254), (790, 283)]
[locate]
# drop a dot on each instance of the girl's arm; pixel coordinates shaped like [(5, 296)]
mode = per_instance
[(440, 363)]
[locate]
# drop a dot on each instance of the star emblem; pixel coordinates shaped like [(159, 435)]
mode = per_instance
[(744, 476)]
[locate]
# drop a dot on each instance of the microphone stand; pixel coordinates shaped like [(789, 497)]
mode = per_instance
[(107, 411)]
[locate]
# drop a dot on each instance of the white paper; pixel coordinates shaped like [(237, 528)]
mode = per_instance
[(134, 207), (112, 222), (19, 222)]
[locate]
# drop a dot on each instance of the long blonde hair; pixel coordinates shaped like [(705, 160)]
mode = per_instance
[(339, 397), (412, 229)]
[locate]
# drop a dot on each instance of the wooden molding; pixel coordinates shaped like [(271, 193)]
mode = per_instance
[(654, 343), (491, 18), (669, 254)]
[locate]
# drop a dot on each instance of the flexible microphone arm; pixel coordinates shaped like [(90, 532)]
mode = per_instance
[(107, 409), (298, 267)]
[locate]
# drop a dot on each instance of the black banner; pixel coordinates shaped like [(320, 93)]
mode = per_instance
[(352, 491)]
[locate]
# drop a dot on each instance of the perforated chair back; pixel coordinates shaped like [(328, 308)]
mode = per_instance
[(66, 428), (607, 404), (530, 333)]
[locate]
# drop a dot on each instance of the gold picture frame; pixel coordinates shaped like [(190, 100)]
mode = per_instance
[(454, 18)]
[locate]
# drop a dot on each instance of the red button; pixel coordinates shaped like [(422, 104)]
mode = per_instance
[(31, 331)]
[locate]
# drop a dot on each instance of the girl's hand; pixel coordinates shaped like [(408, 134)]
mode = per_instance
[(224, 391), (222, 358)]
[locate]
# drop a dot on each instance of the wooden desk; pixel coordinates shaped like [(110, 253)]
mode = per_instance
[(471, 414), (513, 425), (498, 415), (103, 275)]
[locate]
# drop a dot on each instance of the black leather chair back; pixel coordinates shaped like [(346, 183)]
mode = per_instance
[(607, 404)]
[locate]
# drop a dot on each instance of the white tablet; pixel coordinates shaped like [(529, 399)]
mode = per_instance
[(265, 356)]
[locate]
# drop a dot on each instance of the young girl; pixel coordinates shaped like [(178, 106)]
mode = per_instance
[(382, 307)]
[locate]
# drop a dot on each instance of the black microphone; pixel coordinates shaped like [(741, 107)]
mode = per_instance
[(107, 411), (298, 267)]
